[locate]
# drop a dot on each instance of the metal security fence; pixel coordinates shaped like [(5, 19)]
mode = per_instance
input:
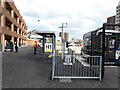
[(76, 66)]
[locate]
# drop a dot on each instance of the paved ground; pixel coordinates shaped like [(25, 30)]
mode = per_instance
[(26, 70)]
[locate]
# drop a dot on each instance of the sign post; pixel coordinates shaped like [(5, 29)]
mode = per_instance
[(63, 41)]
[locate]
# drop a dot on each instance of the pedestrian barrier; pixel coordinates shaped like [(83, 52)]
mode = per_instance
[(76, 66)]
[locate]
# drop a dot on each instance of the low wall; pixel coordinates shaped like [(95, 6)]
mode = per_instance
[(30, 42), (76, 49)]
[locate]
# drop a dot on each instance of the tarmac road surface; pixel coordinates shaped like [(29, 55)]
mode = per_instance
[(26, 70)]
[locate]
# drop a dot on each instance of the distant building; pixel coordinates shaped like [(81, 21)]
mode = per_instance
[(32, 37), (12, 25), (117, 19), (112, 21), (66, 35)]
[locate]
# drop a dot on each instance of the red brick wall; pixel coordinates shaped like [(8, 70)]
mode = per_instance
[(30, 42)]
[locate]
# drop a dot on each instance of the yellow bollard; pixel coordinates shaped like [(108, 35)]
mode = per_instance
[(50, 56)]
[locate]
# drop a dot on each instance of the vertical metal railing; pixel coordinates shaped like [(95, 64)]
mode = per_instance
[(87, 67), (53, 63)]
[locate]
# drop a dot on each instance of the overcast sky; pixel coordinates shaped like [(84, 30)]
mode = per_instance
[(81, 15)]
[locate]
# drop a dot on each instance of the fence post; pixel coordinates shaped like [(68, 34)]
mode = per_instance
[(100, 69), (53, 64), (68, 51), (73, 56)]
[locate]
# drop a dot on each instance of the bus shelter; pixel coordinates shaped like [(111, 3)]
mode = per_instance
[(48, 42)]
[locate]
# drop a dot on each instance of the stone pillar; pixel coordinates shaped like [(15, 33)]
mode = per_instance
[(3, 21), (2, 35), (18, 41), (21, 24), (3, 42), (3, 4), (12, 14), (18, 21), (21, 32), (12, 39), (17, 30), (12, 27), (21, 41)]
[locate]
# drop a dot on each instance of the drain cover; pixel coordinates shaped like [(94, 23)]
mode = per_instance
[(65, 80)]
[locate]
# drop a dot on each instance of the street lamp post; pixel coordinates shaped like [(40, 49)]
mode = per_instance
[(63, 41)]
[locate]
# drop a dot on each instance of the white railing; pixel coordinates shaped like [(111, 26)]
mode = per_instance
[(76, 66)]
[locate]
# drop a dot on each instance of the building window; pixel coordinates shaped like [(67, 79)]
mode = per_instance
[(15, 29), (8, 24), (15, 17), (8, 8)]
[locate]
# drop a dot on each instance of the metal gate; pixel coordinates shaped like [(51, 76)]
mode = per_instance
[(76, 66)]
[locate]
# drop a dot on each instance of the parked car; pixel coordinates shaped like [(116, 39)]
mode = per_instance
[(7, 47)]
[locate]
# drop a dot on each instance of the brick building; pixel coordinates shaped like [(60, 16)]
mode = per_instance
[(66, 35), (112, 21), (13, 27), (117, 19)]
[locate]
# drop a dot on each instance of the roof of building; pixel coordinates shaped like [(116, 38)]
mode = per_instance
[(45, 33)]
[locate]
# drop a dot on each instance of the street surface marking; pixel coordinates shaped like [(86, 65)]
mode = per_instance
[(82, 61), (65, 80), (111, 66)]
